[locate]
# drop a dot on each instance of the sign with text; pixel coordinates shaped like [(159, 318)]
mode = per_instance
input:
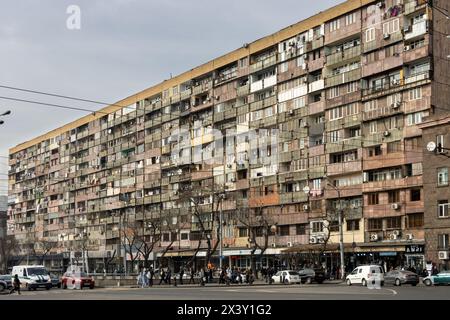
[(415, 248)]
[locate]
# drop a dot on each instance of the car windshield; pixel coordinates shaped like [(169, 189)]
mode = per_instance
[(6, 277), (80, 274), (293, 273), (37, 272)]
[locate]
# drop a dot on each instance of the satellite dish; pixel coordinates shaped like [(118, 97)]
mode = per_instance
[(431, 146), (306, 189)]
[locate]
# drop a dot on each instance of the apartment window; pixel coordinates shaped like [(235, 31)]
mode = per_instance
[(391, 26), (415, 118), (415, 220), (415, 93), (373, 127), (243, 63), (394, 146), (243, 232), (317, 184), (352, 87), (394, 223), (375, 224), (283, 230), (317, 226), (443, 242), (355, 132), (415, 195), (334, 136), (352, 109), (185, 236), (440, 141), (372, 199), (394, 196), (371, 105), (166, 237), (394, 98), (334, 25), (442, 175), (333, 92), (336, 113), (352, 225), (300, 229), (370, 34), (443, 208), (283, 67), (375, 151), (350, 18)]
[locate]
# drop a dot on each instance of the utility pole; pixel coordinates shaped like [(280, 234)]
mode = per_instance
[(222, 196)]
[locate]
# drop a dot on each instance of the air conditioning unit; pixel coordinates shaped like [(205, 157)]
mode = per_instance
[(395, 206), (374, 237), (393, 236), (386, 133), (396, 232), (305, 56), (217, 97), (305, 80), (409, 236), (313, 240), (380, 4), (443, 255), (321, 239), (386, 36), (273, 245), (304, 66), (291, 112), (407, 48), (396, 105), (305, 207), (407, 29), (305, 125), (338, 49), (233, 180), (289, 244)]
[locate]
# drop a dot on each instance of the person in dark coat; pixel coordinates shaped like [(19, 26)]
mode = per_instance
[(16, 285), (163, 276), (169, 276), (181, 275), (191, 279)]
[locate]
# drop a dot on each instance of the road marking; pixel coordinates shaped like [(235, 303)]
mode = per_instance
[(393, 291)]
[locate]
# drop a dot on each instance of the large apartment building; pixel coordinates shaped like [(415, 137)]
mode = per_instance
[(341, 94)]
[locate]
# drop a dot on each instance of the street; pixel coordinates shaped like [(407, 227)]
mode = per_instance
[(264, 292)]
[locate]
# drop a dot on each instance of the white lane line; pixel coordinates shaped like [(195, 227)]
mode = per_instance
[(393, 291)]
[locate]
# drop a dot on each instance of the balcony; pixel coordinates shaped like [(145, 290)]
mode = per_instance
[(394, 159), (349, 121), (416, 30), (417, 77), (344, 56), (264, 83), (316, 107), (383, 112), (410, 55), (382, 65), (316, 85), (260, 65), (343, 167), (317, 43), (243, 91), (344, 77), (344, 145), (413, 6), (317, 64), (407, 182)]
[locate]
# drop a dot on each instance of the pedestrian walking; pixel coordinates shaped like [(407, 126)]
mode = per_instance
[(150, 274), (169, 276), (202, 277), (16, 285), (162, 274), (191, 279), (181, 275)]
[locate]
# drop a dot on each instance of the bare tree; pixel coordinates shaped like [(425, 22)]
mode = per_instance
[(131, 243), (8, 248), (43, 247), (149, 241)]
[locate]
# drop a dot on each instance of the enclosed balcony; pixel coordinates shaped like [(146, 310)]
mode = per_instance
[(342, 78), (416, 30)]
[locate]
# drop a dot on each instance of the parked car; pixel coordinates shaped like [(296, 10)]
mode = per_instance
[(363, 274), (308, 275), (286, 277), (5, 282), (77, 280), (56, 281), (32, 277), (399, 277), (438, 279)]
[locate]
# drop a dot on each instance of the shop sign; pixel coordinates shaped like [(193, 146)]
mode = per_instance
[(388, 254), (415, 248)]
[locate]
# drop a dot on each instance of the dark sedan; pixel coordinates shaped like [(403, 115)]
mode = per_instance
[(308, 275), (399, 277), (5, 282)]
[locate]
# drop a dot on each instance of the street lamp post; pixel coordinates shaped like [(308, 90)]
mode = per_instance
[(341, 231)]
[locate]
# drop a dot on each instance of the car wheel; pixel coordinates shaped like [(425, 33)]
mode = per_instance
[(27, 287), (91, 287), (59, 285), (398, 283), (319, 281), (308, 280), (414, 284), (286, 281), (364, 282), (34, 289), (2, 287), (47, 287), (64, 285), (349, 283), (427, 282)]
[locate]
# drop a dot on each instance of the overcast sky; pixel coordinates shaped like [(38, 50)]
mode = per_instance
[(123, 46)]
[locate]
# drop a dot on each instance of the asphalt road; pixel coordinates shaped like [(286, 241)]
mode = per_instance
[(265, 292)]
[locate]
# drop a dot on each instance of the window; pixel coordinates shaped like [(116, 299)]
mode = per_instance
[(443, 242), (333, 92), (317, 226), (415, 93), (166, 236), (375, 224), (394, 196), (415, 118), (375, 151), (442, 176), (350, 18), (395, 146), (415, 195), (440, 142), (415, 220), (336, 113), (443, 208), (243, 232), (370, 34), (352, 225), (316, 184), (352, 87), (283, 230), (355, 132), (373, 127), (334, 136), (334, 25), (394, 223), (300, 229), (372, 198), (391, 26), (283, 67)]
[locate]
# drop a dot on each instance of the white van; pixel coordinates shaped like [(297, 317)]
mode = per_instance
[(33, 277), (366, 274)]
